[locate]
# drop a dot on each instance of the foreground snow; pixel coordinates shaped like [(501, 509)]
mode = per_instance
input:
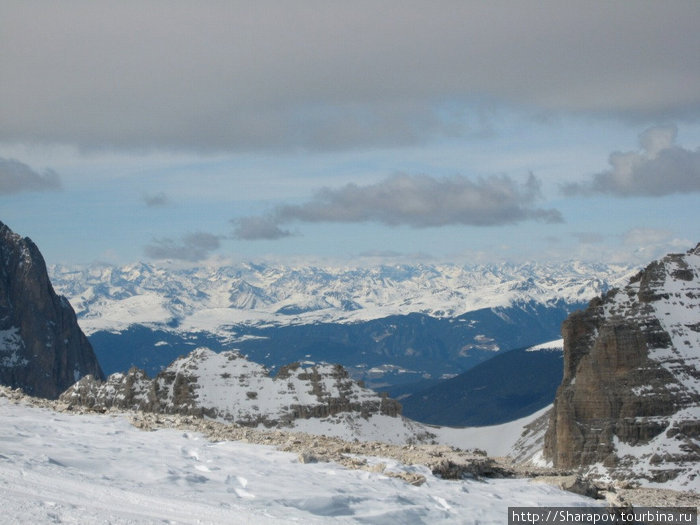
[(62, 468)]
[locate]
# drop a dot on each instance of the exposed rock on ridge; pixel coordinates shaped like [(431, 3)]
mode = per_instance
[(42, 349), (629, 401), (228, 387)]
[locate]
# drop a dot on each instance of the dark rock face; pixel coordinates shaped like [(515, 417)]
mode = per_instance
[(228, 387), (42, 349), (630, 395)]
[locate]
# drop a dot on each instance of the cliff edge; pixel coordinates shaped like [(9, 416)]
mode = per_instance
[(42, 349), (629, 401)]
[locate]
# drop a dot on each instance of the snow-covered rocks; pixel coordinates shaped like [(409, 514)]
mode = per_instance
[(228, 387), (629, 403)]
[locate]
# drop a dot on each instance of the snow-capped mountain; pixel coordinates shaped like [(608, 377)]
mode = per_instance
[(629, 401), (228, 387), (388, 325), (211, 299)]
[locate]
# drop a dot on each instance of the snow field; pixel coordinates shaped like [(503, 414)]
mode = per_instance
[(64, 468)]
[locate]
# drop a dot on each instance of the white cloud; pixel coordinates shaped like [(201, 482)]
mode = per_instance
[(659, 168)]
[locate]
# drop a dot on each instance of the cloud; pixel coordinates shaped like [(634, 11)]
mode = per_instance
[(659, 168), (256, 228), (157, 200), (423, 201), (419, 201), (329, 75), (17, 177), (194, 247)]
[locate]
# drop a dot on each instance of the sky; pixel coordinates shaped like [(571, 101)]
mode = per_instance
[(357, 132)]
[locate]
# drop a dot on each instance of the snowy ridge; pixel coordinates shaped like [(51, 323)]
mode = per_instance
[(318, 399), (112, 298), (225, 386), (236, 389), (676, 306), (678, 311)]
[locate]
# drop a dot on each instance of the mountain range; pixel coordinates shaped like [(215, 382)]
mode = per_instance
[(626, 408), (390, 326), (213, 299)]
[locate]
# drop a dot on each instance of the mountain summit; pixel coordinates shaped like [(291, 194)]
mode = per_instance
[(229, 387), (42, 349), (629, 401)]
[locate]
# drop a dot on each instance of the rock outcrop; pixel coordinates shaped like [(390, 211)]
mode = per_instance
[(228, 387), (629, 401), (42, 349)]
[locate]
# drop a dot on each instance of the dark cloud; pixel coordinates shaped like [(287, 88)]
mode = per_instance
[(193, 247), (16, 177), (659, 168), (420, 201), (423, 201), (156, 200), (244, 75), (257, 228)]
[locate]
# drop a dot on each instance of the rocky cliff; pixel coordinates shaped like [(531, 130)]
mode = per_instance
[(229, 387), (42, 349), (629, 401)]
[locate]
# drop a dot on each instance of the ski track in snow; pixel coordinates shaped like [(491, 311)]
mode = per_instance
[(64, 468)]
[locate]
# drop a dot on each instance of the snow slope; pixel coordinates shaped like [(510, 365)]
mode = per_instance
[(112, 298), (63, 468), (496, 440)]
